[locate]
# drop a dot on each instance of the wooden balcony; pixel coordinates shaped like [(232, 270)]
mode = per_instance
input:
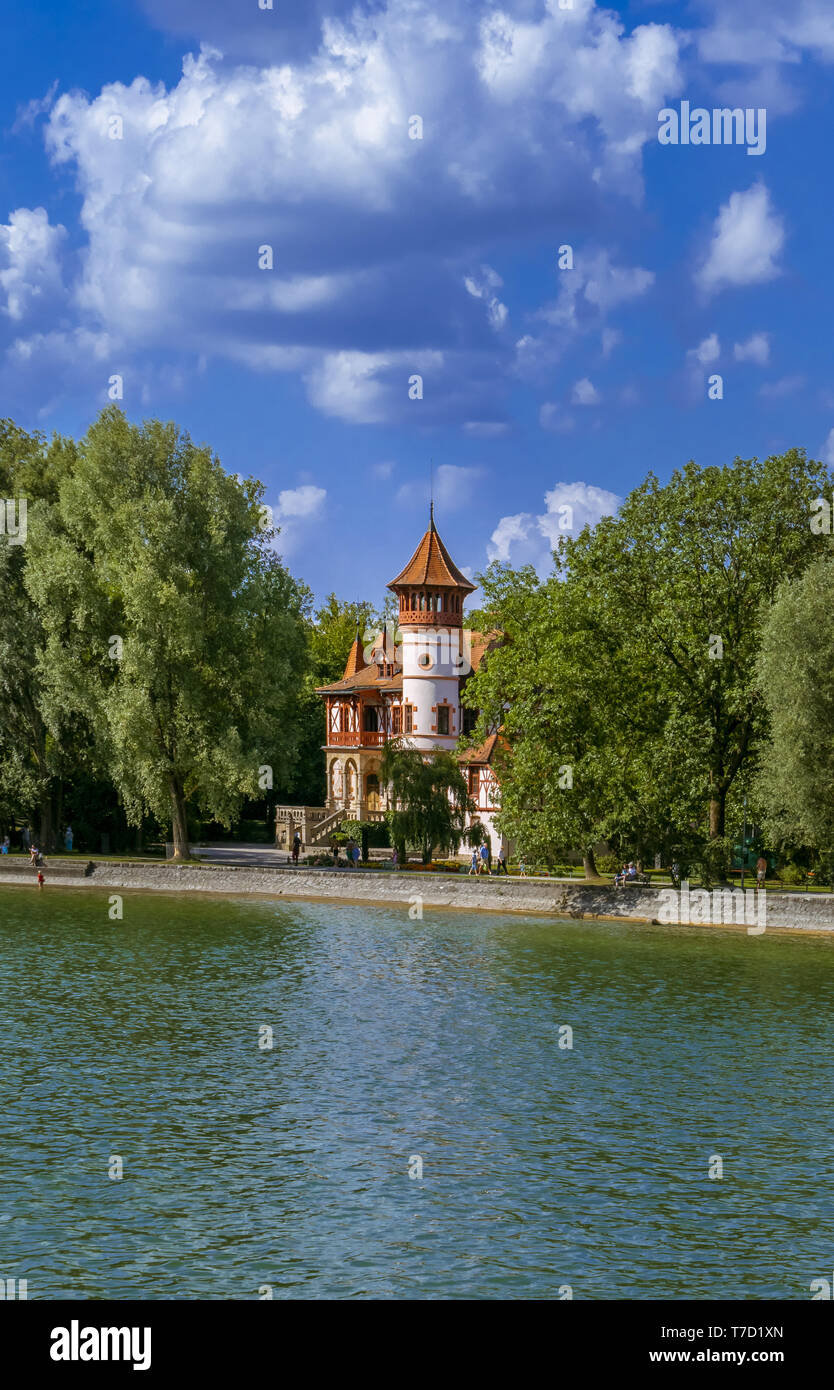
[(367, 738)]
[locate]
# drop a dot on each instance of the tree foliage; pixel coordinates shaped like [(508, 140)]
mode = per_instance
[(796, 678), (633, 665), (171, 626), (430, 796)]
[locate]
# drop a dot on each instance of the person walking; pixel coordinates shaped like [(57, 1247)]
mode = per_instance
[(502, 861), (356, 856), (761, 871), (68, 839), (522, 868), (296, 848), (485, 856), (474, 863)]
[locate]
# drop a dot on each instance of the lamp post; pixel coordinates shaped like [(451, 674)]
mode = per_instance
[(744, 843)]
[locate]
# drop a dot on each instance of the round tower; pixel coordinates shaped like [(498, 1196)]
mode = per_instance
[(431, 591)]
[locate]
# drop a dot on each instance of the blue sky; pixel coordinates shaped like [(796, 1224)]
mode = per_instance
[(238, 127)]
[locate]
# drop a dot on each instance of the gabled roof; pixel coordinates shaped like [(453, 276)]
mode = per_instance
[(367, 678), (482, 754), (432, 564)]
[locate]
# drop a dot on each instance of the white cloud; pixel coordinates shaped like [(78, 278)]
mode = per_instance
[(485, 429), (572, 506), (827, 451), (297, 510), (509, 531), (611, 337), (748, 236), (569, 507), (553, 417), (383, 470), (304, 501), (33, 266), (585, 393), (484, 289), (785, 386), (707, 351), (311, 155), (756, 349)]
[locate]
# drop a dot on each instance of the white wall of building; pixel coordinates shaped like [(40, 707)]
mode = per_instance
[(432, 663)]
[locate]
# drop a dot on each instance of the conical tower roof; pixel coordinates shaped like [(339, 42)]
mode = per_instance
[(356, 660), (432, 565)]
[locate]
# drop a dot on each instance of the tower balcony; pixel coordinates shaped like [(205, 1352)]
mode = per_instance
[(421, 617)]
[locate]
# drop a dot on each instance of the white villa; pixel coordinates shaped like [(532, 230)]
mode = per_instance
[(411, 692)]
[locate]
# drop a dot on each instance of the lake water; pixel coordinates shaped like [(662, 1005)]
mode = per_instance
[(541, 1166)]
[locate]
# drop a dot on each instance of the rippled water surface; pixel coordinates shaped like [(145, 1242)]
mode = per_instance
[(542, 1166)]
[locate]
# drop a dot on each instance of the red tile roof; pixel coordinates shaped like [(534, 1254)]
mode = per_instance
[(432, 564)]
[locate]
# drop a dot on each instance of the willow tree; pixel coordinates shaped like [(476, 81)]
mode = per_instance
[(430, 796), (170, 623)]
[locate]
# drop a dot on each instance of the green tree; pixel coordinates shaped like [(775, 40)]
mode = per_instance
[(331, 632), (170, 623), (796, 678), (430, 796), (34, 756), (634, 664)]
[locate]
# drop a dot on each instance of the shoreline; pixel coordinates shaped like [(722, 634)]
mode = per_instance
[(564, 899)]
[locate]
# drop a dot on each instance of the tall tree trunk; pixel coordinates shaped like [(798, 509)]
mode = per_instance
[(179, 819), (589, 864), (46, 831), (717, 806)]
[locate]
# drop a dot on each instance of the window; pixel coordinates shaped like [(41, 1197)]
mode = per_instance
[(470, 719), (408, 725), (396, 720), (424, 660), (443, 719), (473, 782)]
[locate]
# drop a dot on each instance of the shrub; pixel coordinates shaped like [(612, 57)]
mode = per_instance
[(609, 863), (792, 874)]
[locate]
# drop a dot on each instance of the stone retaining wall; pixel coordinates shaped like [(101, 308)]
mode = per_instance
[(811, 911)]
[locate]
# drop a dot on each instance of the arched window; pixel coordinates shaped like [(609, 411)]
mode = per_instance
[(422, 603)]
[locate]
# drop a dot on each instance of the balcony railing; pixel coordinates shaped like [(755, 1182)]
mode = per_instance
[(366, 738)]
